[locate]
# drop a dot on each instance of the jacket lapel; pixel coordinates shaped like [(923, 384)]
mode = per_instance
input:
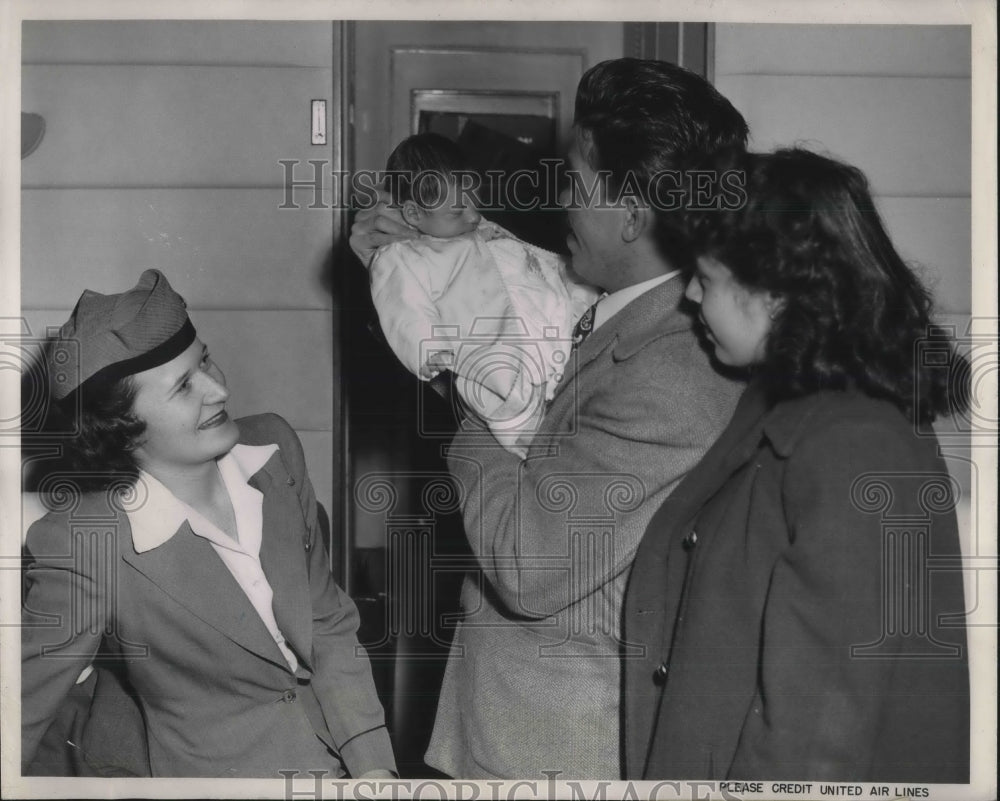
[(188, 569), (283, 555), (650, 316)]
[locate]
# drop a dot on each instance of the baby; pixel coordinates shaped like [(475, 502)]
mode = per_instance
[(469, 296)]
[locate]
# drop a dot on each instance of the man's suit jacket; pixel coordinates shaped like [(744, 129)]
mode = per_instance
[(533, 679), (793, 596), (216, 695)]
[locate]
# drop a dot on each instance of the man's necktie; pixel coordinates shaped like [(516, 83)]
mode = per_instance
[(584, 326)]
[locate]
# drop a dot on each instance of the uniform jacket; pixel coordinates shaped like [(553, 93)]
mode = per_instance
[(799, 601), (216, 695), (533, 680)]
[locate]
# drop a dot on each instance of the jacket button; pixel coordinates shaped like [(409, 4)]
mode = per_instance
[(660, 674), (288, 696), (290, 482), (690, 541)]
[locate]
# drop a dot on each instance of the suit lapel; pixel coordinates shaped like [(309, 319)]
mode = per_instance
[(283, 555), (651, 315), (188, 569)]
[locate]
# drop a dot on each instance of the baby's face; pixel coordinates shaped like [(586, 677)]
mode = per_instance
[(454, 217)]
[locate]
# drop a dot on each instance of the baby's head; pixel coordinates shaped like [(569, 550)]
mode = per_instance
[(423, 182)]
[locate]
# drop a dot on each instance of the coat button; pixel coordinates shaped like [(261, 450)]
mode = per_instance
[(289, 696), (660, 674), (690, 541), (290, 482)]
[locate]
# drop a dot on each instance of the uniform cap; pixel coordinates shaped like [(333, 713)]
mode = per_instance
[(108, 337)]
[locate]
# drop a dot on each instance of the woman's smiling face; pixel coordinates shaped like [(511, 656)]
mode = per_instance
[(183, 404), (736, 319)]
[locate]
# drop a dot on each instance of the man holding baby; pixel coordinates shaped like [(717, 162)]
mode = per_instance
[(533, 680)]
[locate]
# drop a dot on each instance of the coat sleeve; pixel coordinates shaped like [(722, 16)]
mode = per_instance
[(823, 701), (342, 675), (610, 466), (406, 312), (64, 616)]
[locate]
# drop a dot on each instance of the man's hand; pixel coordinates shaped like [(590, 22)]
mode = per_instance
[(378, 226)]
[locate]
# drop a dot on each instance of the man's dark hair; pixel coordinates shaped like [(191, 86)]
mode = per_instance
[(420, 168), (644, 118), (853, 312)]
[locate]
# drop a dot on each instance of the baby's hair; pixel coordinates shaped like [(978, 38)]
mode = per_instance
[(420, 167)]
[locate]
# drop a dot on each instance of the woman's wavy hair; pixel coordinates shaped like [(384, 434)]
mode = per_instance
[(106, 433), (852, 311)]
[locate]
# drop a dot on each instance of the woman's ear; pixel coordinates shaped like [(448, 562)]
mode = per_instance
[(412, 213), (636, 218), (774, 305)]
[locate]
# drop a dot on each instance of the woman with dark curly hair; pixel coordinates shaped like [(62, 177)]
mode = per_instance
[(799, 595), (185, 545)]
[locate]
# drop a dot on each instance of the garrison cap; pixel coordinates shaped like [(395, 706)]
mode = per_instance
[(108, 337)]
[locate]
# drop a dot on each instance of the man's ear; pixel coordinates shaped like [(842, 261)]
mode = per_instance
[(412, 213), (636, 218)]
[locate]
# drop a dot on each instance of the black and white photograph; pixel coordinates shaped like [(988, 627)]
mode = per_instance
[(530, 401)]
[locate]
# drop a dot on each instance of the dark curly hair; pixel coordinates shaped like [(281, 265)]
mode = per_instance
[(852, 311), (107, 431)]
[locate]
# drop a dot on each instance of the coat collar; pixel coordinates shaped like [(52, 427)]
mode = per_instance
[(790, 419), (755, 423), (186, 568)]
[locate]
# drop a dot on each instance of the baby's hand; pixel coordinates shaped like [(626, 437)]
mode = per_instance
[(436, 362)]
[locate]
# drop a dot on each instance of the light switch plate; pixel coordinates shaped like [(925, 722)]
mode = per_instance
[(319, 122)]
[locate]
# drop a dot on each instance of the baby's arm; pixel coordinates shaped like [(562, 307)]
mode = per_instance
[(405, 309)]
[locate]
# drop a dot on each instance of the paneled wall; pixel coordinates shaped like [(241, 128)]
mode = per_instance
[(161, 150), (892, 100)]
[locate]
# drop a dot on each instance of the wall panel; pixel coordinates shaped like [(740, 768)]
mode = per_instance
[(233, 42), (911, 136), (932, 50), (892, 99), (220, 248), (170, 125), (934, 234)]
